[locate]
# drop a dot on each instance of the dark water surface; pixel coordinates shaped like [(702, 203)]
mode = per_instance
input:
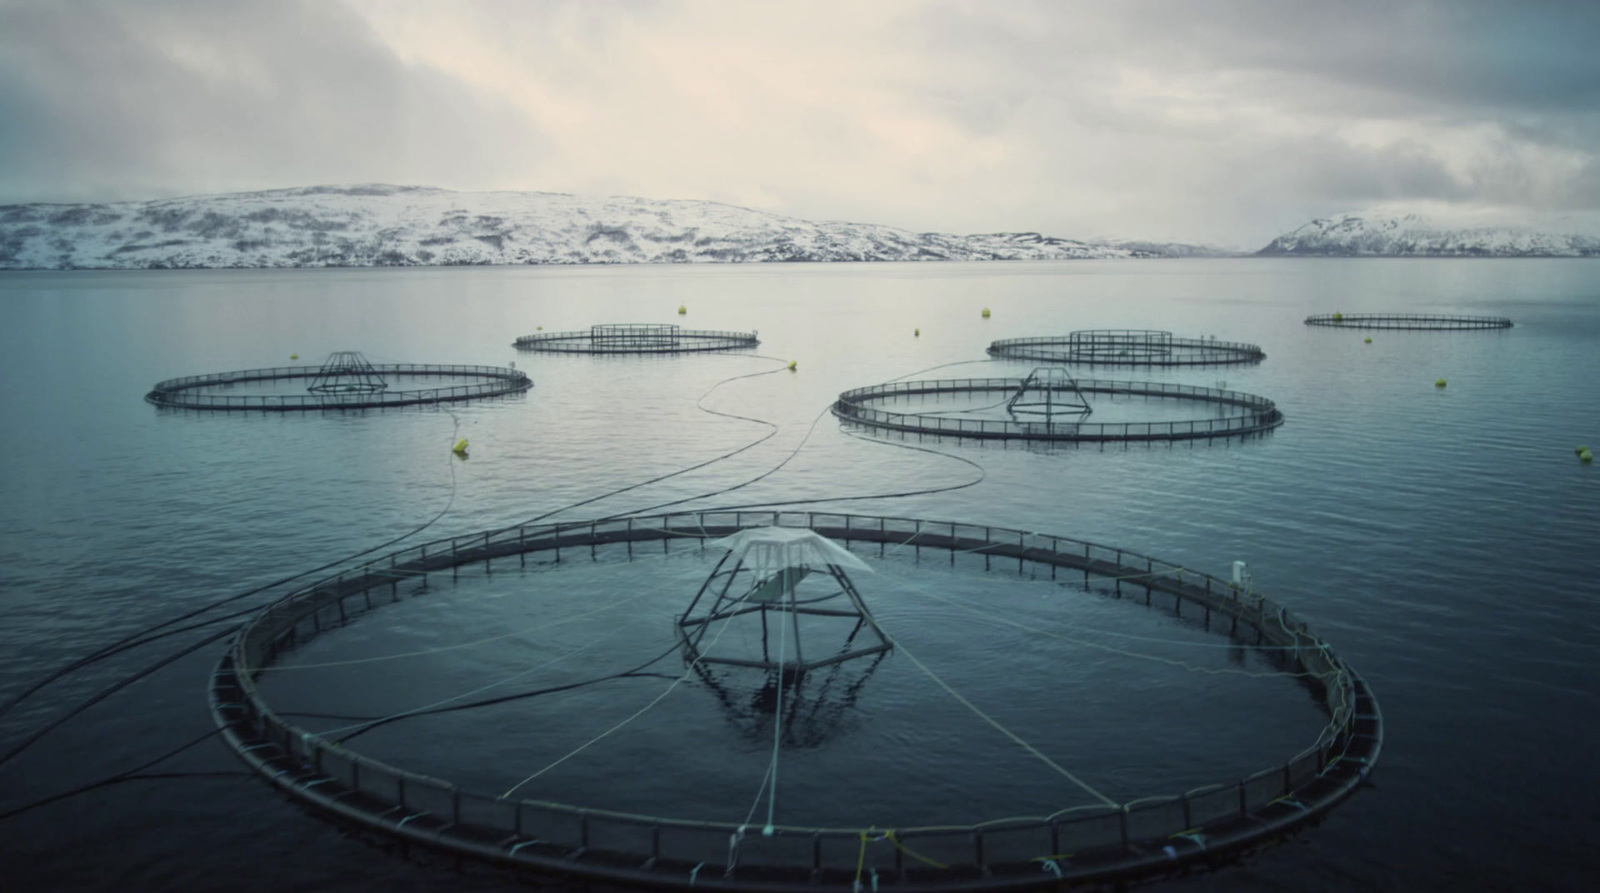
[(1443, 540)]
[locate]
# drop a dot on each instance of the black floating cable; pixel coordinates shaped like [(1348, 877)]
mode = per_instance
[(129, 775), (135, 639), (145, 636), (107, 692), (148, 634), (637, 671)]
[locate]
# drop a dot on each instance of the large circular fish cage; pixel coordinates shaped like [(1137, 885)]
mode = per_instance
[(1110, 842), (368, 390), (636, 338), (1127, 347), (864, 406), (1412, 321)]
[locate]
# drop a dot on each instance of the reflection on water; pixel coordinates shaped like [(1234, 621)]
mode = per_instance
[(1441, 539)]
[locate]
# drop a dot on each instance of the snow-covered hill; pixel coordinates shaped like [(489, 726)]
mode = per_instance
[(1146, 248), (402, 226), (1414, 235)]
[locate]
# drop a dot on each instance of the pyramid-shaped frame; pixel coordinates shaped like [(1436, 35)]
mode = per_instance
[(786, 589), (347, 372), (1048, 393)]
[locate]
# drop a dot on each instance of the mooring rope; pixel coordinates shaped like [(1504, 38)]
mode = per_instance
[(466, 694), (439, 649), (1112, 649), (1338, 672), (458, 645), (693, 665), (771, 775), (996, 724), (777, 717)]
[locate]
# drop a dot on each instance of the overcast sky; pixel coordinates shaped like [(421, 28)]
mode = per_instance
[(1227, 121)]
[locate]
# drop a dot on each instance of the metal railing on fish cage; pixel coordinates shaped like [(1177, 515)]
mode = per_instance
[(188, 392), (1127, 347), (1414, 321), (636, 338), (1108, 843), (1257, 415)]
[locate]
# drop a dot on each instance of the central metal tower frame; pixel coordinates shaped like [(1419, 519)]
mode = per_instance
[(347, 372), (747, 583), (1049, 391)]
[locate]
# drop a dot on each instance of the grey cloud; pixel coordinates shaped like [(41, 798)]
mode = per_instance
[(1583, 192), (1219, 120), (1051, 73), (1471, 53), (107, 100), (1407, 170), (1438, 55)]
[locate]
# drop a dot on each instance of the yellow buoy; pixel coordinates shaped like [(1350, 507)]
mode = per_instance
[(916, 333), (792, 364), (1338, 317), (1369, 340), (294, 356), (460, 449), (1439, 383), (986, 313), (538, 328), (1581, 450), (682, 310), (1586, 456)]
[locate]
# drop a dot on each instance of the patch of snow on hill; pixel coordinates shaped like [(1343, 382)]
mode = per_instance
[(1459, 235), (379, 225)]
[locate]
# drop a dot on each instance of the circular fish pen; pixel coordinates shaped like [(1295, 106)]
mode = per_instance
[(1127, 347), (1412, 321), (1050, 405), (1110, 840), (636, 338), (345, 381)]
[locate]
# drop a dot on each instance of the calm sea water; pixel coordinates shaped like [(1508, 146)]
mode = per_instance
[(1443, 540)]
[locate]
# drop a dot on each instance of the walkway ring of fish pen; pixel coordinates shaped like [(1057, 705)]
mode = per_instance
[(178, 393), (1413, 321), (1127, 347), (1139, 838), (1259, 414), (631, 338)]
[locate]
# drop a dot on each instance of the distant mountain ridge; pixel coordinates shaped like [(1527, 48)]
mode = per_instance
[(380, 225), (1415, 235)]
